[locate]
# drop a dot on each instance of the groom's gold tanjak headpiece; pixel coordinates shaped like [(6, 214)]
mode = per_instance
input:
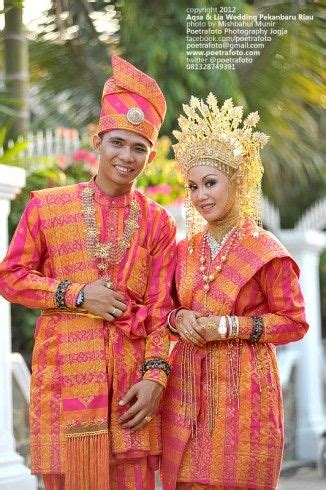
[(218, 137)]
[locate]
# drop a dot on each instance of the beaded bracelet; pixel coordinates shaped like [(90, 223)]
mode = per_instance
[(257, 329), (156, 364), (60, 294), (234, 321)]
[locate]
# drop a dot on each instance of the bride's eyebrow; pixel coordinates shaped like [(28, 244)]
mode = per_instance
[(209, 175)]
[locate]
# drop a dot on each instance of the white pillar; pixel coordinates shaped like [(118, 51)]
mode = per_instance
[(305, 247), (13, 473)]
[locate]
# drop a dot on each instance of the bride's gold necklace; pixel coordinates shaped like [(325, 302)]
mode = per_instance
[(110, 253), (222, 251)]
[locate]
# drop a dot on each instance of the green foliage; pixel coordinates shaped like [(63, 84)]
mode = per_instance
[(8, 4), (23, 321), (69, 62), (286, 84), (154, 39), (161, 181)]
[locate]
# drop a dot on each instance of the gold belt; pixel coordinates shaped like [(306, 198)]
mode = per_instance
[(54, 311)]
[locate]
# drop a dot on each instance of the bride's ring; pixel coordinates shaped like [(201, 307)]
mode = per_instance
[(148, 418), (114, 311)]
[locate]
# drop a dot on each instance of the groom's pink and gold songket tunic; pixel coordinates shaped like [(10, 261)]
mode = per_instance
[(82, 365), (233, 383)]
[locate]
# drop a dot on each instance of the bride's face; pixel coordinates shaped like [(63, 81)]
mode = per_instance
[(209, 190)]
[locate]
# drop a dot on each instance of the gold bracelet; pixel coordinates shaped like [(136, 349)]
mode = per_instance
[(171, 327)]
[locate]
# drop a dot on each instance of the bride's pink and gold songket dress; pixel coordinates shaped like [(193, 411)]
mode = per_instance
[(223, 416)]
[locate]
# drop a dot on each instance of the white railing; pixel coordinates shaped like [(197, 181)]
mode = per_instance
[(52, 142), (271, 216), (314, 218), (21, 374)]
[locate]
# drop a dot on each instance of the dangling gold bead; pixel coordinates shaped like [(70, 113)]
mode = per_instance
[(218, 268), (223, 258), (206, 287), (202, 260), (205, 278), (202, 268), (211, 278)]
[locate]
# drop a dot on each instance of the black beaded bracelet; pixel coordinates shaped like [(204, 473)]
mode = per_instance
[(257, 329), (60, 294), (156, 364)]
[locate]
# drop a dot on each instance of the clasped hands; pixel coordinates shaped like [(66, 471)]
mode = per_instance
[(197, 329), (143, 397)]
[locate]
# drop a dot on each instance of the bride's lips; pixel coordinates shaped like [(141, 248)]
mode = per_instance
[(206, 208)]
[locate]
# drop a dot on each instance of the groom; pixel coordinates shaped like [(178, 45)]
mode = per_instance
[(98, 259)]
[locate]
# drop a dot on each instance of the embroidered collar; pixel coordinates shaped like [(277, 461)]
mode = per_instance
[(104, 199)]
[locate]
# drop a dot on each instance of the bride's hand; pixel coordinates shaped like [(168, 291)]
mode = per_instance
[(209, 326), (188, 328)]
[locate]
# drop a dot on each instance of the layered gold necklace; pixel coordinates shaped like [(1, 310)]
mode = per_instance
[(110, 253), (220, 250)]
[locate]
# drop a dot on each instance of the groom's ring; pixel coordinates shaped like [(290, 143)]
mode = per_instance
[(114, 311), (148, 418)]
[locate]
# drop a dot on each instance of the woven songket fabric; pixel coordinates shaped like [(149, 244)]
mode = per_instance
[(222, 416), (131, 100), (83, 365)]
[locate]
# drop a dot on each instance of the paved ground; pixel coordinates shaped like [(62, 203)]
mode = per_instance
[(303, 479)]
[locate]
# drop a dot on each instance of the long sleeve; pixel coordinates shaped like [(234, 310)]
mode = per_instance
[(21, 276), (284, 321), (158, 299)]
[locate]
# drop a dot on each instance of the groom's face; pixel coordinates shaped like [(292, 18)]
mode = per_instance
[(123, 155)]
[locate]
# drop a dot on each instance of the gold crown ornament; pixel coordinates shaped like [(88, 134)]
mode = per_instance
[(218, 137)]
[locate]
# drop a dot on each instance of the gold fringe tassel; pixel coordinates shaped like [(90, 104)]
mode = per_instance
[(87, 462), (212, 361), (234, 367), (263, 365), (188, 386)]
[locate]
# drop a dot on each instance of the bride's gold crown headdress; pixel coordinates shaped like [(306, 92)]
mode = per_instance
[(219, 137)]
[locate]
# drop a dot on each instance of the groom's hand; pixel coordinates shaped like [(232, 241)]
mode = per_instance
[(145, 397), (102, 301)]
